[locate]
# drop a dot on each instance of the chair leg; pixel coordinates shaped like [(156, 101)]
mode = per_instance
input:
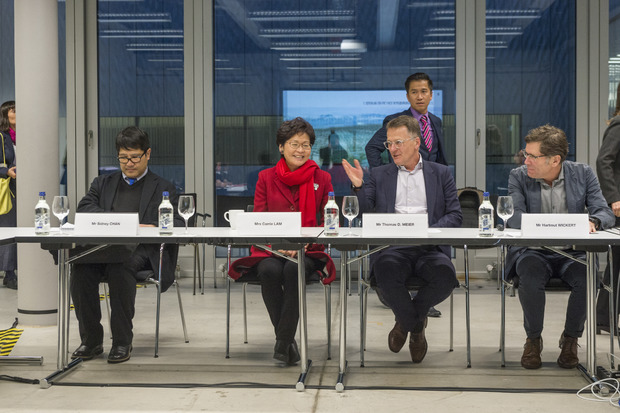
[(157, 319), (107, 304), (176, 285), (245, 314), (467, 307), (502, 330), (328, 317)]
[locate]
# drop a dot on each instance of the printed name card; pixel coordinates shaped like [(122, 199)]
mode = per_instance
[(395, 225), (106, 224), (555, 225), (269, 223)]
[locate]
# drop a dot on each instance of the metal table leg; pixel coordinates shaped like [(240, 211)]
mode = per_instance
[(343, 321), (303, 320)]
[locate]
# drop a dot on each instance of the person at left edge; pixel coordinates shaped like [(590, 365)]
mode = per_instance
[(295, 184), (8, 253), (410, 185), (132, 189)]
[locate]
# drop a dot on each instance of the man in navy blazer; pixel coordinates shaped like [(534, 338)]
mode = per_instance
[(410, 185), (133, 189), (419, 92), (548, 183)]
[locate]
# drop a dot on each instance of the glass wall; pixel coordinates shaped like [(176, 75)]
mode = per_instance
[(140, 74), (340, 64), (530, 79)]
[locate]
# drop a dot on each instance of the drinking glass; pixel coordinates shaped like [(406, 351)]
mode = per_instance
[(350, 209), (505, 208), (186, 208), (60, 208)]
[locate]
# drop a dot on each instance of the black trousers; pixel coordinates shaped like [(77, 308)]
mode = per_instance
[(393, 268), (85, 279), (535, 268), (278, 278), (602, 302)]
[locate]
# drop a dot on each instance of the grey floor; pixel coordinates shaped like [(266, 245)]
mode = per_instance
[(197, 377)]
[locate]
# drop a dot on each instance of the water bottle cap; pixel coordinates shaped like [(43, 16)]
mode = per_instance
[(41, 193), (330, 194), (485, 194), (165, 193)]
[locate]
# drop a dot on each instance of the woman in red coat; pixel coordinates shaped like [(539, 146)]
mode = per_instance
[(296, 183)]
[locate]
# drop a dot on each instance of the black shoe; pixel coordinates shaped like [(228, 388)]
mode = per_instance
[(119, 354), (433, 312), (85, 352), (10, 280), (293, 354), (11, 283), (281, 351)]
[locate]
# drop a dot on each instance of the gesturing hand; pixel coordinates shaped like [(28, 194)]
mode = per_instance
[(355, 174)]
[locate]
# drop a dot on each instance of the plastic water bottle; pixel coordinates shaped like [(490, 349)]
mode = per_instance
[(42, 216), (332, 216), (485, 217), (166, 215)]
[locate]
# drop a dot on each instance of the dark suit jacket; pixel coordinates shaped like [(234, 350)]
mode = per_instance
[(100, 197), (583, 194), (608, 162), (374, 147), (444, 209)]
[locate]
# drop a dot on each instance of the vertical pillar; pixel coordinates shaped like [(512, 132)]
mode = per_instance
[(36, 97)]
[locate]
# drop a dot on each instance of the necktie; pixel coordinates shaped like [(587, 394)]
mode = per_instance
[(426, 132), (131, 181)]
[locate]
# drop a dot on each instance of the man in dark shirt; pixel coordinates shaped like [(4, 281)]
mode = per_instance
[(132, 189)]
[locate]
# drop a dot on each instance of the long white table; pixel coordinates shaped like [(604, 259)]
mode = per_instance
[(592, 244), (149, 235)]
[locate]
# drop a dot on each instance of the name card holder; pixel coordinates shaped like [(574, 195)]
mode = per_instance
[(395, 225), (87, 223), (555, 225), (269, 223)]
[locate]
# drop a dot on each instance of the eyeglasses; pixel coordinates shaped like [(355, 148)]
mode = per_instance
[(133, 159), (532, 157), (296, 145), (397, 144)]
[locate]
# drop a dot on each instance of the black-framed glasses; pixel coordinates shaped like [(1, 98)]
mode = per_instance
[(397, 144), (133, 159), (532, 157)]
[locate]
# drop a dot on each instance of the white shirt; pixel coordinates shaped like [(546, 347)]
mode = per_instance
[(411, 190)]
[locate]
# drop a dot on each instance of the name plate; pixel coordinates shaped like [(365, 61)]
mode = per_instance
[(395, 225), (87, 223), (555, 225), (269, 223)]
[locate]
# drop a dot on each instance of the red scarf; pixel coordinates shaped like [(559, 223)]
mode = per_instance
[(304, 177)]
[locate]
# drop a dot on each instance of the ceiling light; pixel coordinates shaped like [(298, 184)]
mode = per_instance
[(352, 46)]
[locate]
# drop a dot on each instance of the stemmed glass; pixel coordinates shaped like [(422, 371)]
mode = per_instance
[(186, 208), (350, 209), (505, 208), (60, 208)]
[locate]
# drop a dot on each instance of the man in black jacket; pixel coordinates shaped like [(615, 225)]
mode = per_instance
[(133, 189)]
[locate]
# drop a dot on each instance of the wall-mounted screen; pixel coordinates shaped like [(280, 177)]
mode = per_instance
[(353, 115)]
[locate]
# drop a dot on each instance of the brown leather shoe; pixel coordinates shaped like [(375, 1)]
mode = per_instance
[(418, 344), (568, 356), (397, 338), (531, 353)]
